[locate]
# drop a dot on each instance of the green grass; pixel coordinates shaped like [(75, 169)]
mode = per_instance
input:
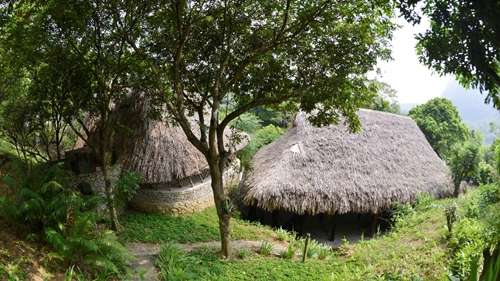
[(415, 248), (199, 227)]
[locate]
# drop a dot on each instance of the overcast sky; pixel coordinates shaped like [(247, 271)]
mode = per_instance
[(413, 82)]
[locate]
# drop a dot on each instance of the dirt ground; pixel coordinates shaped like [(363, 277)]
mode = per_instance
[(24, 258)]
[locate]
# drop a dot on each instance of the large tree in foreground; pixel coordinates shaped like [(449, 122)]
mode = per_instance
[(315, 53), (463, 39)]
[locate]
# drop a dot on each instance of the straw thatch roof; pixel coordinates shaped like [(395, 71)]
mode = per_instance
[(159, 151), (326, 170)]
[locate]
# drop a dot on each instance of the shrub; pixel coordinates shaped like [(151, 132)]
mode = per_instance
[(484, 173), (466, 244), (126, 187)]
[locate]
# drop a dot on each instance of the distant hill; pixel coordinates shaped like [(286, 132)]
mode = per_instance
[(470, 103), (471, 107), (405, 107)]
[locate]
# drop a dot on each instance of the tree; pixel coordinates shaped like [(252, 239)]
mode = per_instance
[(463, 40), (463, 161), (76, 60), (315, 53), (386, 98), (441, 124)]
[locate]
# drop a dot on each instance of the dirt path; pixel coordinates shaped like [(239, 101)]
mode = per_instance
[(145, 254)]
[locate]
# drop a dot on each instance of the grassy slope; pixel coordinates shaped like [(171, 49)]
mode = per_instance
[(416, 247), (198, 227)]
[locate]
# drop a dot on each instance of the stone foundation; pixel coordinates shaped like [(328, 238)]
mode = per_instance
[(175, 202), (96, 183)]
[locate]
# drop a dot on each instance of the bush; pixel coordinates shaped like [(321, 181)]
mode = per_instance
[(126, 187)]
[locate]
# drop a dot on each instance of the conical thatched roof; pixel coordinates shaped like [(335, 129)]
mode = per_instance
[(158, 150), (326, 170)]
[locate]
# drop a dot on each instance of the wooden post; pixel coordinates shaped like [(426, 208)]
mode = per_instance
[(306, 247), (181, 183), (275, 218), (374, 225), (169, 186), (191, 181), (334, 227), (201, 177)]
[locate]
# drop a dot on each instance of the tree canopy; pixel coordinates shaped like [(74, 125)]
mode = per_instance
[(463, 40), (441, 124), (315, 53), (386, 98)]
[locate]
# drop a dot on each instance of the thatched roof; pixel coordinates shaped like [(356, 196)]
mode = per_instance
[(158, 150), (326, 170)]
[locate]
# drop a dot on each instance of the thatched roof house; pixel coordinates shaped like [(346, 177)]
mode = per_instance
[(312, 170), (158, 150)]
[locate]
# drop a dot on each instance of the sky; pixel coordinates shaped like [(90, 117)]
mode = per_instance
[(413, 81)]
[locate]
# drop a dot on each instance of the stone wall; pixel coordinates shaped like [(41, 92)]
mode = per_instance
[(96, 182), (178, 201)]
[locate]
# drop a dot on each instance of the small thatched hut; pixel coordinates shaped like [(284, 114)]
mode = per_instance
[(163, 156), (159, 151), (312, 170)]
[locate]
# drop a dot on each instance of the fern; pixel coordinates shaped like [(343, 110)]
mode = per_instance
[(63, 218)]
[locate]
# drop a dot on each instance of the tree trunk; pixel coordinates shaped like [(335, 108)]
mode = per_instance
[(222, 213), (110, 197)]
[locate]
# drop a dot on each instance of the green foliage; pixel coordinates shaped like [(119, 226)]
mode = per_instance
[(386, 99), (441, 124), (484, 173), (478, 234), (64, 219), (490, 273), (401, 211), (282, 234), (172, 262), (289, 252), (424, 201), (259, 139), (126, 187), (480, 199), (246, 122), (466, 243), (463, 162), (266, 247)]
